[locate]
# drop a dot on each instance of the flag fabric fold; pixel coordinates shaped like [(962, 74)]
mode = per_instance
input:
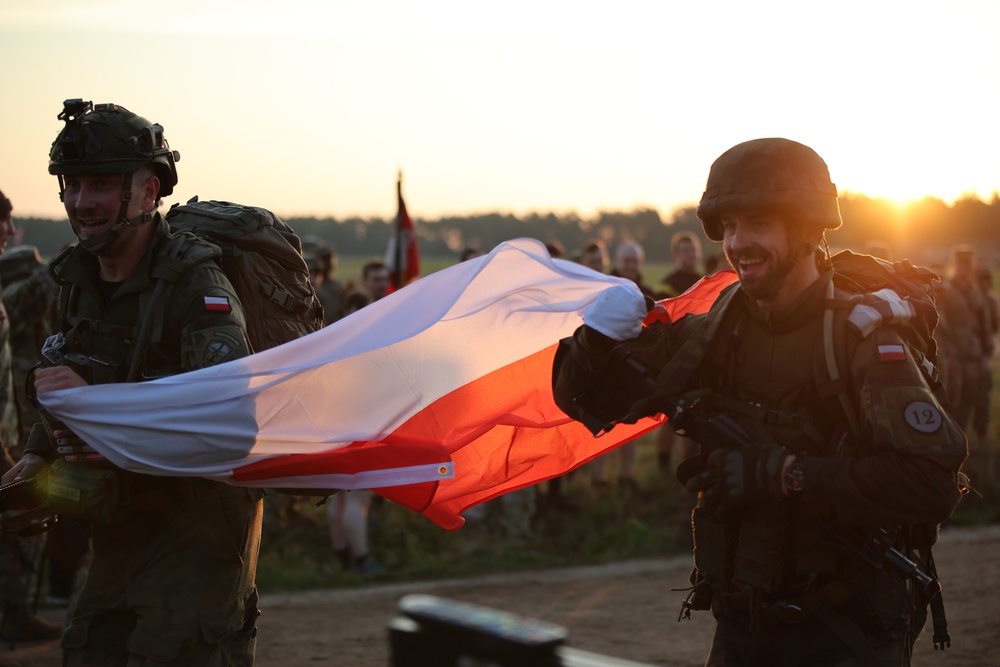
[(437, 396)]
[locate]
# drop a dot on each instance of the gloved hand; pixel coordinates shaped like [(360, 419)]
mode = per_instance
[(735, 478), (617, 312)]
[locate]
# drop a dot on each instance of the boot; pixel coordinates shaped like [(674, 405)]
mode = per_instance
[(30, 628)]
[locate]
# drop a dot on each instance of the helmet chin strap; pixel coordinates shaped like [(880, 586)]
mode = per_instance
[(108, 237)]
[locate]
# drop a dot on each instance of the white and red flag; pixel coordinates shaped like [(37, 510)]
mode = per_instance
[(437, 396), (402, 256)]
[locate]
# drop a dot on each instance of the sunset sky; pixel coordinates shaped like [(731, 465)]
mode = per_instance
[(310, 107)]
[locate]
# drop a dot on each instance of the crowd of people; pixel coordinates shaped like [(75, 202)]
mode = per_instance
[(173, 580)]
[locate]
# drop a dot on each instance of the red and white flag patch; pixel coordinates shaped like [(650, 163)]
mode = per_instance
[(218, 303), (891, 353)]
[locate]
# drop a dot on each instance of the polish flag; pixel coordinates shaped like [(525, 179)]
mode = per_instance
[(437, 396)]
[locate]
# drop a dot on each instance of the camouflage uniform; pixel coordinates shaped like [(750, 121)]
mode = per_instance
[(172, 574), (966, 343), (31, 296), (781, 593), (331, 295), (981, 413), (17, 554), (32, 301)]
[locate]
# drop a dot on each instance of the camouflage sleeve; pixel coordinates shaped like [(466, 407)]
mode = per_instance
[(208, 318), (907, 469)]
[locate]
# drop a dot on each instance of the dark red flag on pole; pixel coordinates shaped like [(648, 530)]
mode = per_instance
[(403, 255)]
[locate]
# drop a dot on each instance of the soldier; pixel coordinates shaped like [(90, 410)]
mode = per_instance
[(782, 590), (18, 555), (329, 290), (965, 335), (171, 580), (981, 413)]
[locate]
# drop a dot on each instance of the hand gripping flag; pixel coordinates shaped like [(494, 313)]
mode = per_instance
[(437, 396)]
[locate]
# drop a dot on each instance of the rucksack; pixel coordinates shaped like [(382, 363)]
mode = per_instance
[(896, 294), (262, 257), (916, 311)]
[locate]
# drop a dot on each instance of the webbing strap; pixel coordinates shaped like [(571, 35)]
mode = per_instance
[(830, 356)]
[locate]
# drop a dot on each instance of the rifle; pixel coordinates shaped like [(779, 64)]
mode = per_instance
[(717, 430), (21, 494)]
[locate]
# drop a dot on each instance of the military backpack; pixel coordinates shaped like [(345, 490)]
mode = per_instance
[(262, 257)]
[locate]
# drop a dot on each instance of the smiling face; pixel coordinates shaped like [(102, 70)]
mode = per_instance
[(772, 258), (93, 204)]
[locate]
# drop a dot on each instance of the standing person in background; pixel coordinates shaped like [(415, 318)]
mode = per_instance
[(19, 555), (549, 496), (347, 511), (964, 335), (328, 288), (685, 248), (172, 577), (31, 297), (629, 258), (882, 455), (981, 411), (594, 255), (628, 262)]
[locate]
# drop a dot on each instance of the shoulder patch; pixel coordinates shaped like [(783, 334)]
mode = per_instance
[(922, 416), (912, 417), (893, 352)]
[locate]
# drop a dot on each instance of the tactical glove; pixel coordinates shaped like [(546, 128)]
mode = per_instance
[(734, 478), (617, 312)]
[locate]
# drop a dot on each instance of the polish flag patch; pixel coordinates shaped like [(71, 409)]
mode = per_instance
[(218, 303), (891, 353)]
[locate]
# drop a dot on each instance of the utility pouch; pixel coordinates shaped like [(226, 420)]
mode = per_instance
[(88, 492), (760, 556), (714, 545)]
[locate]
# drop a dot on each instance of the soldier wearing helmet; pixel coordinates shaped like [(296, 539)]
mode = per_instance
[(966, 335), (846, 435), (171, 579)]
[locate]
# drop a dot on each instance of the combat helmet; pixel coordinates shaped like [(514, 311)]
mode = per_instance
[(110, 139), (769, 175)]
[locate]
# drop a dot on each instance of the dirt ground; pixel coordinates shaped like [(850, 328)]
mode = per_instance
[(624, 610)]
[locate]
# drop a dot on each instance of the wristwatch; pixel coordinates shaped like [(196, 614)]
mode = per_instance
[(795, 475)]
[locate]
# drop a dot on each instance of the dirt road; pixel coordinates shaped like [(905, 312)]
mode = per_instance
[(625, 610)]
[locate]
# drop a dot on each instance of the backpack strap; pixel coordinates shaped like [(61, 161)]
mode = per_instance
[(175, 256), (682, 365), (835, 382)]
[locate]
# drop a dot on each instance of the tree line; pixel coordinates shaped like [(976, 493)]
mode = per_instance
[(921, 231)]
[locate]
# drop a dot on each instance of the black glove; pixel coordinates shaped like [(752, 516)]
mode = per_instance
[(658, 402), (735, 478)]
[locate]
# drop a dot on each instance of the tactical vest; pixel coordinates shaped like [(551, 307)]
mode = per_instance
[(774, 550), (116, 339)]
